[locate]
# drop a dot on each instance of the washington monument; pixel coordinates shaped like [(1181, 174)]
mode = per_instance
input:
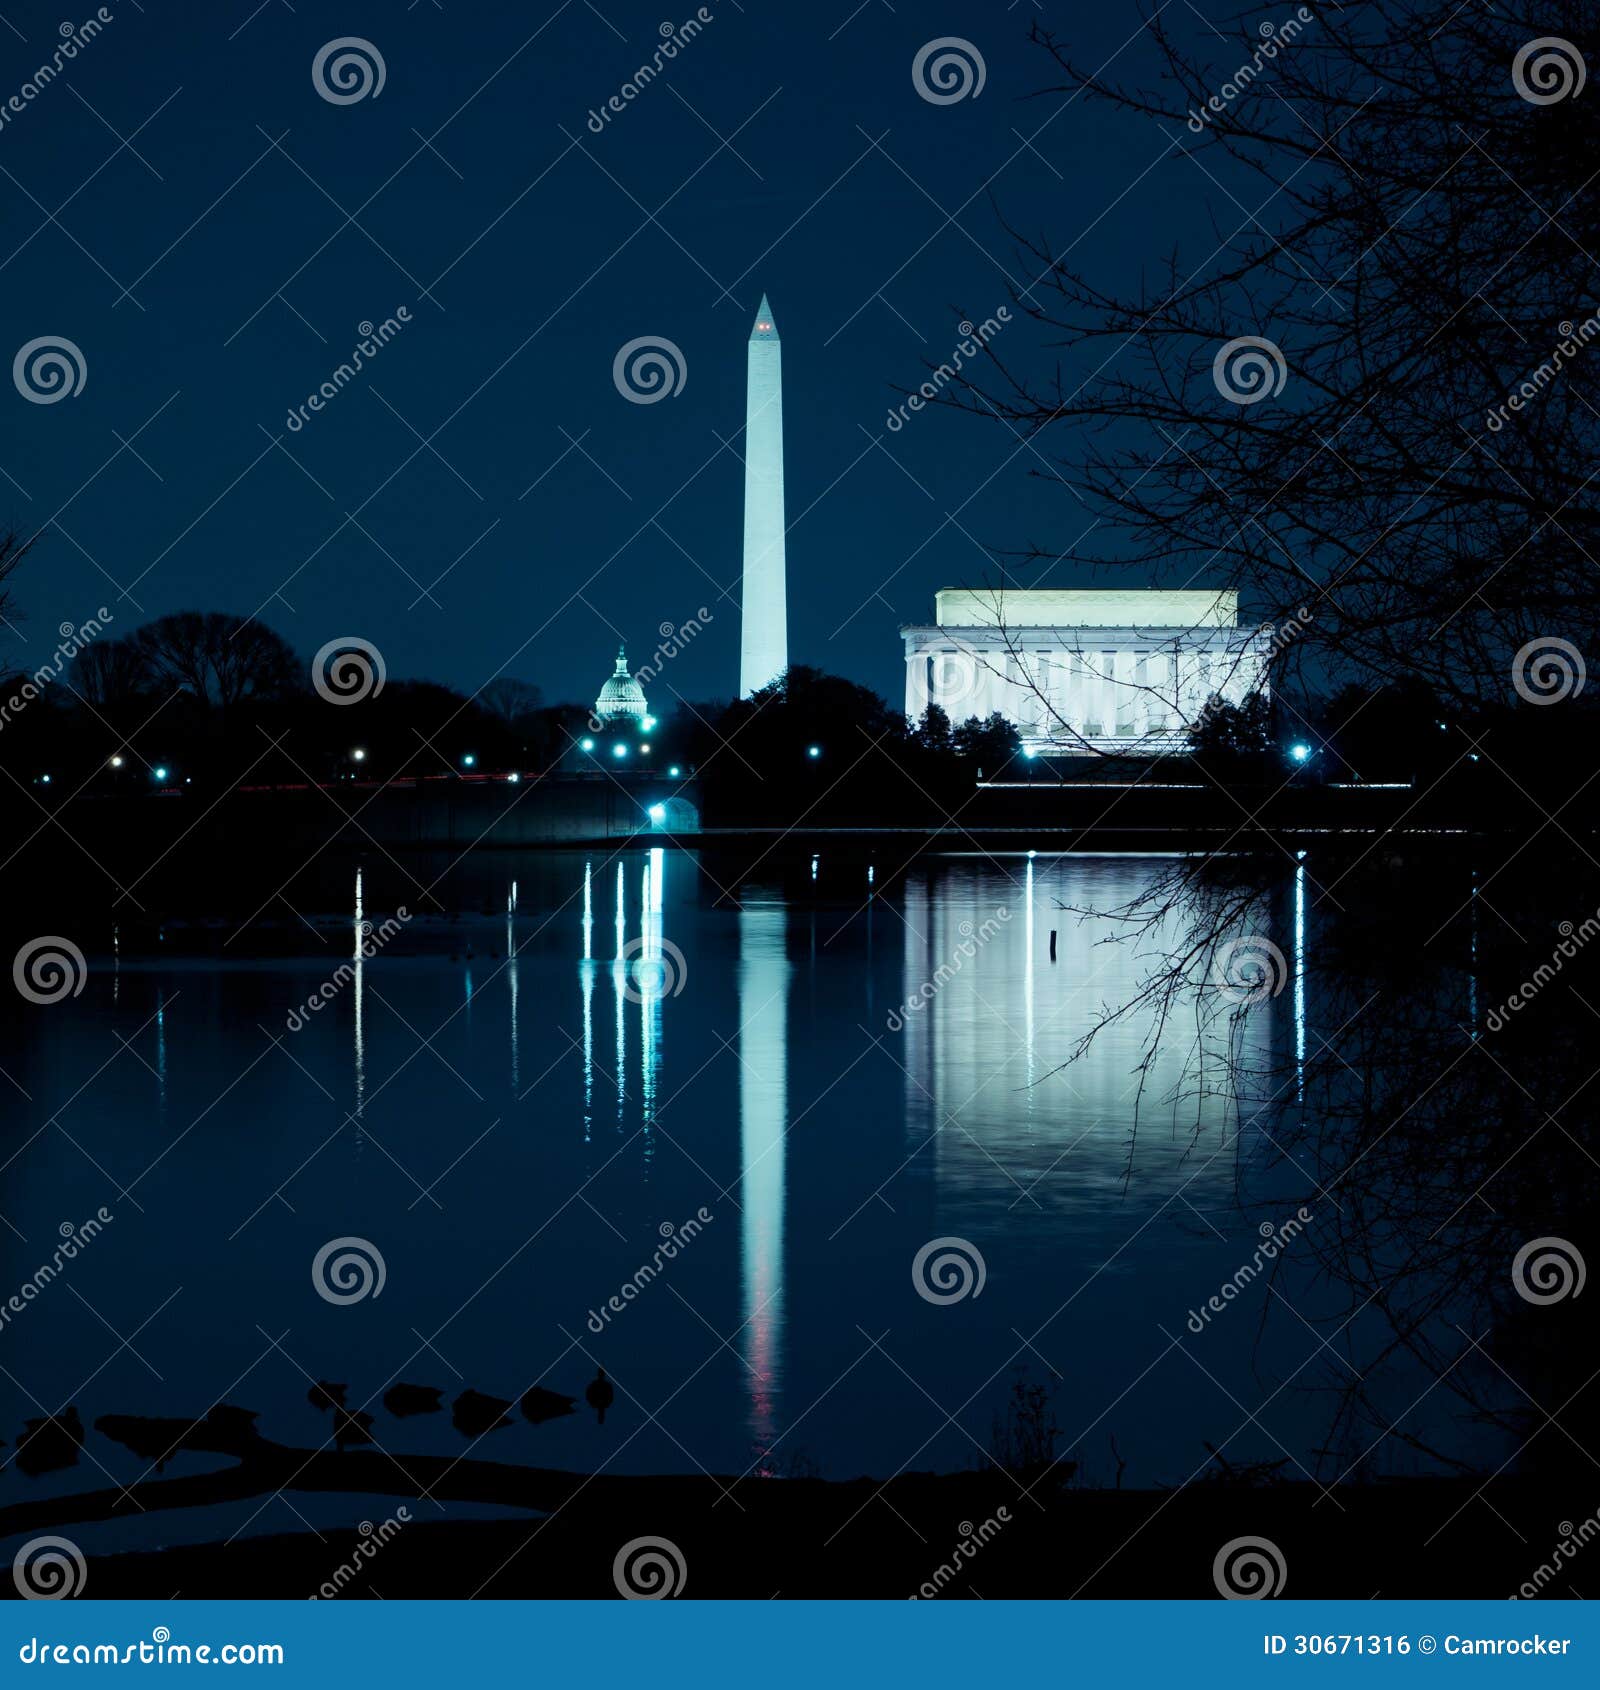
[(764, 647)]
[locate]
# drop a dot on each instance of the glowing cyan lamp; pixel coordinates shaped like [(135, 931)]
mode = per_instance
[(358, 755), (116, 762), (619, 749), (1300, 751), (468, 761), (658, 812), (813, 751), (160, 771), (586, 744)]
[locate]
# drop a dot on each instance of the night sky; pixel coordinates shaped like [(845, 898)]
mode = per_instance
[(481, 500)]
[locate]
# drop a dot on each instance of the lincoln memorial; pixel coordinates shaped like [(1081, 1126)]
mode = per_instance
[(1084, 671)]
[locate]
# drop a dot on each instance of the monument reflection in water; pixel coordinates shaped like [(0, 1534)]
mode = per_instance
[(1007, 967), (996, 982), (645, 972)]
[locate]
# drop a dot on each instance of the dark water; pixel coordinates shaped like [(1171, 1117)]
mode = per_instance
[(514, 1101)]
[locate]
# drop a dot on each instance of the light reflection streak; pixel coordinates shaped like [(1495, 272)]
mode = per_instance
[(764, 979)]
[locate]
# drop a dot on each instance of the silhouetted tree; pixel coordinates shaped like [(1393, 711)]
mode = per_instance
[(513, 701), (1404, 226), (933, 731), (219, 659), (991, 743), (111, 675)]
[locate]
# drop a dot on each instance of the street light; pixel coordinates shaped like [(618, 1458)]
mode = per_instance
[(1300, 751), (586, 744), (116, 762), (658, 813), (648, 723), (358, 755), (619, 749), (674, 771), (160, 771), (813, 751), (468, 761)]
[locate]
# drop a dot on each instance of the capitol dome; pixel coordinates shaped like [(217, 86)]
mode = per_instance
[(621, 699)]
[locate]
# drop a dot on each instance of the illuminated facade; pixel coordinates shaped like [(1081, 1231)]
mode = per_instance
[(1085, 671), (621, 702)]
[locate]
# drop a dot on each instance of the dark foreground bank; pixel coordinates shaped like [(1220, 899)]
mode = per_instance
[(982, 1534)]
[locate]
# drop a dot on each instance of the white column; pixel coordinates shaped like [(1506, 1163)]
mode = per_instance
[(916, 684)]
